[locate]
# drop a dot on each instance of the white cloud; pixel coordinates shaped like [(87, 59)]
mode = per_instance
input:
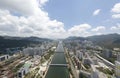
[(25, 7), (37, 22), (42, 2), (116, 11), (96, 12), (79, 30), (99, 28), (116, 16), (33, 21), (116, 8), (115, 27)]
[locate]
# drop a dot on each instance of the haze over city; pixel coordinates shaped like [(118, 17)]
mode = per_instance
[(59, 18)]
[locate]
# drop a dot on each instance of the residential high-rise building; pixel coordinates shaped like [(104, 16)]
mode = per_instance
[(118, 57), (107, 53), (117, 69)]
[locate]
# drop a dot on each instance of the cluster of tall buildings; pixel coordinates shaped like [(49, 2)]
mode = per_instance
[(38, 50), (86, 52), (117, 66)]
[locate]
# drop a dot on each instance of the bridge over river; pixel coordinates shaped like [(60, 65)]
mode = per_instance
[(58, 67)]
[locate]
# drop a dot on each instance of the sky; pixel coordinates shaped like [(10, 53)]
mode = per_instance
[(59, 18)]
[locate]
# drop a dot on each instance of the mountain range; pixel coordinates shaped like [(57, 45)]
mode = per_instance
[(14, 42), (108, 41)]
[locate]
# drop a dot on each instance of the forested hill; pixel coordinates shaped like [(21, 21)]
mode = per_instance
[(13, 42)]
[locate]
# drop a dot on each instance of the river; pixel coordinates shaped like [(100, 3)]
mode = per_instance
[(58, 67)]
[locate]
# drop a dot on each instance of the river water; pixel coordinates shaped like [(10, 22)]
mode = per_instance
[(58, 71)]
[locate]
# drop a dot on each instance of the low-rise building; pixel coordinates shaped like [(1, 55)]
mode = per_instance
[(4, 57), (24, 70)]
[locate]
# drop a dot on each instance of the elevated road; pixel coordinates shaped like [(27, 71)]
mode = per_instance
[(105, 61)]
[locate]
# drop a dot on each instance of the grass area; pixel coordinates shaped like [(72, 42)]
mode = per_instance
[(31, 74), (38, 76), (27, 75), (15, 69), (112, 60), (82, 76), (69, 69), (47, 56), (37, 69), (42, 60), (87, 66), (1, 66)]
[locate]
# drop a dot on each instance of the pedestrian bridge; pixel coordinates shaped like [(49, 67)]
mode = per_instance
[(64, 65)]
